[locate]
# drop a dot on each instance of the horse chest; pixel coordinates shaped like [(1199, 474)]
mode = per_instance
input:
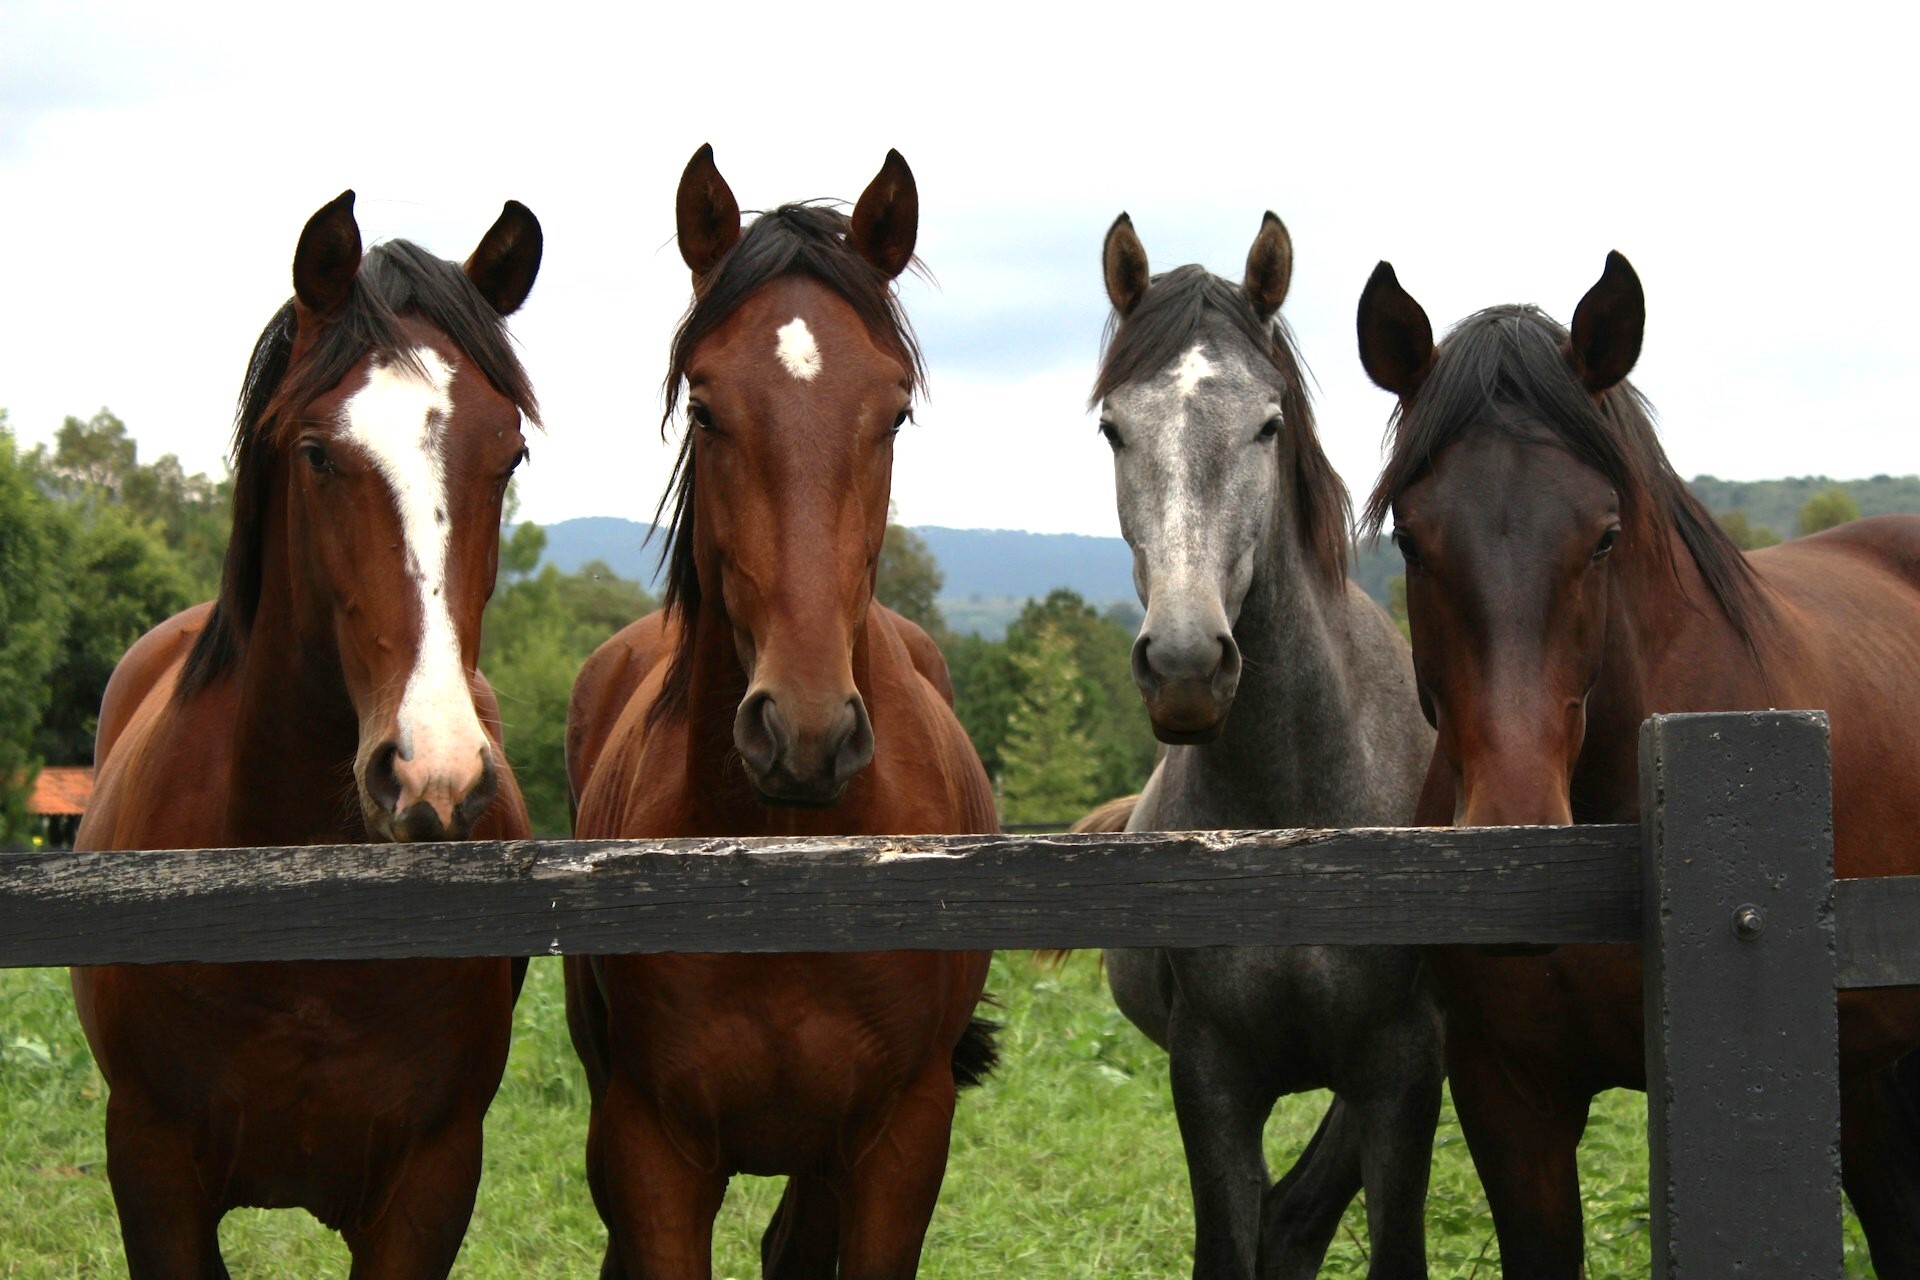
[(803, 1047)]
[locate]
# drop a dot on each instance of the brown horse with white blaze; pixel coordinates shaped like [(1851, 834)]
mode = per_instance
[(1563, 584), (328, 696), (774, 696)]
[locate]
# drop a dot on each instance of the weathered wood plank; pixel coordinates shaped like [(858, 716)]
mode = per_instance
[(1879, 923), (1520, 884), (1743, 1095)]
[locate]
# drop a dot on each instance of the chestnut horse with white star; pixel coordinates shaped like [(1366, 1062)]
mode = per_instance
[(775, 696)]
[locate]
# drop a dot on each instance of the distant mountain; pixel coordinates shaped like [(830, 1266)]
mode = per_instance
[(1010, 562), (991, 573), (614, 541)]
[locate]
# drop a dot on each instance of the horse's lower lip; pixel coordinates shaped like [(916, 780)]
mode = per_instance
[(800, 798), (1188, 737), (1185, 717)]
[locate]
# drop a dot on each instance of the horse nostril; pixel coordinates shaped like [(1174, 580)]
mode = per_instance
[(855, 749), (1227, 675), (383, 780), (1143, 672), (477, 801), (760, 732)]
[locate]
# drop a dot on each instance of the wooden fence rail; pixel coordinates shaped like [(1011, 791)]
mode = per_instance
[(1727, 882)]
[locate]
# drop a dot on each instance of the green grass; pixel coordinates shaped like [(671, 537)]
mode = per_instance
[(1067, 1164)]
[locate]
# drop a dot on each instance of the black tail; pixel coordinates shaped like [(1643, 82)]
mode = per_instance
[(975, 1057)]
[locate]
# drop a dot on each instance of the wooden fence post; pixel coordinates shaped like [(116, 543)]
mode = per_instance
[(1743, 1097)]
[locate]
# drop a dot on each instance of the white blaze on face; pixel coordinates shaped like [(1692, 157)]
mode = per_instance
[(797, 350), (397, 419), (1193, 368)]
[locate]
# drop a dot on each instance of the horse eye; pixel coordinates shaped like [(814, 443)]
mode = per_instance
[(1271, 429), (314, 454), (700, 415), (1408, 551), (1112, 433), (901, 421), (1607, 540)]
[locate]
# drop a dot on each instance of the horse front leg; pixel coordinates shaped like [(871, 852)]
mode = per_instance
[(168, 1227), (1396, 1162), (1525, 1148), (887, 1197), (1880, 1161), (658, 1206), (1301, 1213), (1222, 1106), (802, 1240), (422, 1223)]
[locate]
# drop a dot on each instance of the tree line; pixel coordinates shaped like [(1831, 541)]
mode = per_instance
[(96, 547)]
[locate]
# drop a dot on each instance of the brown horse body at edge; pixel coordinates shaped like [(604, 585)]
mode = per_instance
[(1563, 585), (328, 696), (774, 696)]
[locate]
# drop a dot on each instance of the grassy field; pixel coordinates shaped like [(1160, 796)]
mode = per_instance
[(1067, 1164)]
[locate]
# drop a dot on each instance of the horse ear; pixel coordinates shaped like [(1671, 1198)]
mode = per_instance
[(1269, 267), (886, 221), (328, 258), (508, 259), (705, 213), (1396, 339), (1124, 261), (1608, 326)]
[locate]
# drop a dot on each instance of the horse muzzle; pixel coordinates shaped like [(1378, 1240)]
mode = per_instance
[(418, 799), (797, 759), (1188, 688)]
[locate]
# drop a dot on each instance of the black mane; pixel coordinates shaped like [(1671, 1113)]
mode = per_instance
[(794, 239), (1167, 321), (1511, 360), (397, 278)]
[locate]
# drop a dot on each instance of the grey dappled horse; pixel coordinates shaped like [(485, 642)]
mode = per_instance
[(1239, 532)]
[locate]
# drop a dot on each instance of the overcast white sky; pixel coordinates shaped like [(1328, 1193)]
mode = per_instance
[(1755, 163)]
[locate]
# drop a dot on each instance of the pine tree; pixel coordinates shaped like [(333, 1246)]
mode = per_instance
[(1048, 762)]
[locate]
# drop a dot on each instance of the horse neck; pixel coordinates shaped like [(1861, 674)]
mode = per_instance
[(296, 732)]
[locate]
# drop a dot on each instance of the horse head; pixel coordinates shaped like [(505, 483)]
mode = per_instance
[(1217, 468), (1523, 481), (798, 371), (379, 430)]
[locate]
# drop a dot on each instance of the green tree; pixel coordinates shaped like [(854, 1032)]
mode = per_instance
[(1049, 759), (120, 579), (988, 684), (1745, 534), (33, 606), (1825, 510), (984, 693), (908, 580), (1114, 721), (136, 544), (88, 457), (95, 463)]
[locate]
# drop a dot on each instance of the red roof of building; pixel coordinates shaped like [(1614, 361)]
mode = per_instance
[(61, 792)]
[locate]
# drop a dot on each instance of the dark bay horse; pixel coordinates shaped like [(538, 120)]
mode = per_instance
[(328, 696), (1238, 526), (1563, 584), (774, 696)]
